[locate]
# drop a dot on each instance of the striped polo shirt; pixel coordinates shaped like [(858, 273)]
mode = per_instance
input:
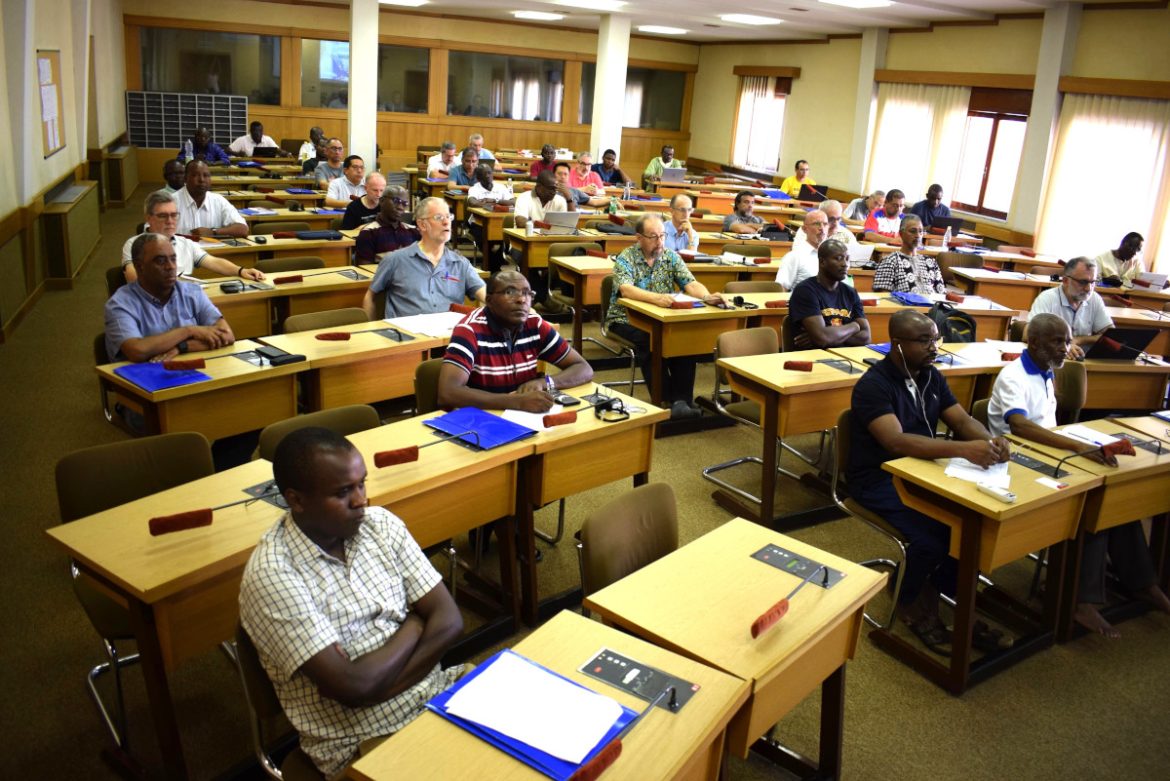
[(498, 360)]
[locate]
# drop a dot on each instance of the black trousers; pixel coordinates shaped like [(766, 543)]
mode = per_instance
[(678, 374)]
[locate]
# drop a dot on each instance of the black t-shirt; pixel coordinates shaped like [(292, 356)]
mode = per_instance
[(881, 391), (838, 307), (356, 214), (310, 165)]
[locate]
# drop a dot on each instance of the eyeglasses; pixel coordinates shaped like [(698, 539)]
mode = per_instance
[(687, 209), (1083, 282), (166, 215), (653, 236), (516, 292), (925, 341), (439, 218), (335, 148), (399, 201)]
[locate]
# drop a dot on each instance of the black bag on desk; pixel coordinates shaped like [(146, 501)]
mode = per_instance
[(327, 235), (953, 325), (615, 229)]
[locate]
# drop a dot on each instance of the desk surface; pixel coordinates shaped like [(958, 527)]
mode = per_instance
[(273, 244), (768, 370), (363, 343), (659, 747), (315, 281), (1140, 464)]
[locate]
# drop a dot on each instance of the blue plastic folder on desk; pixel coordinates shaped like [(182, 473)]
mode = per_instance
[(880, 347), (489, 430), (153, 377), (911, 299), (299, 191), (777, 194), (545, 763)]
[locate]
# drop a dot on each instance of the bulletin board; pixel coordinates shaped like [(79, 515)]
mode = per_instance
[(49, 84)]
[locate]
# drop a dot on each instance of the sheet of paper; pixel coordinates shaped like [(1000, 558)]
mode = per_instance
[(859, 254), (532, 420), (435, 324), (1005, 347), (684, 297), (734, 258), (1087, 435), (529, 704), (44, 71), (973, 473)]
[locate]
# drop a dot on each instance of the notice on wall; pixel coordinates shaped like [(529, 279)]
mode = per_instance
[(49, 80)]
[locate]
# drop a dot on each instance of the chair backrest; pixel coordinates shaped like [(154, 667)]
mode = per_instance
[(100, 356), (291, 145), (335, 223), (747, 341), (700, 212), (788, 334), (607, 284), (343, 420), (265, 205), (842, 441), (979, 411), (748, 250), (953, 260), (298, 263), (1044, 271), (1012, 248), (595, 224), (626, 534), (115, 278), (1071, 385), (310, 321), (104, 476), (1016, 330), (564, 248), (426, 386), (753, 286), (267, 228)]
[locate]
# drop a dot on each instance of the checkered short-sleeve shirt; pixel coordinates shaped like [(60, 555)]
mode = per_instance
[(296, 600)]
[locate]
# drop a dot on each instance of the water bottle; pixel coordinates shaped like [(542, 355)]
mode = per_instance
[(947, 238), (613, 206), (511, 192), (529, 227), (628, 191), (188, 150)]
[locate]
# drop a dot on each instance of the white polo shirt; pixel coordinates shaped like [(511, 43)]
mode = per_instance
[(798, 265), (188, 254), (530, 207), (216, 212), (1088, 319), (244, 146), (1021, 388), (342, 189)]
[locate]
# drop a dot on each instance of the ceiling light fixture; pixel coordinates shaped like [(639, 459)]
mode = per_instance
[(407, 3), (538, 16), (593, 5), (655, 28), (859, 4), (750, 19)]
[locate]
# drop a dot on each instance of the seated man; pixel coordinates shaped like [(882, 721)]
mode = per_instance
[(837, 230), (680, 234), (488, 193), (205, 213), (365, 209), (931, 208), (245, 145), (908, 271), (203, 148), (428, 276), (156, 317), (464, 174), (897, 405), (321, 155), (802, 261), (881, 226), (584, 178), (175, 175), (475, 141), (548, 157), (824, 310), (1078, 304), (571, 193), (309, 148), (348, 616), (859, 209), (656, 166), (491, 361), (331, 167), (1123, 265), (349, 186), (792, 184), (608, 171), (387, 232), (649, 272), (439, 165), (742, 219), (1023, 401), (162, 217), (545, 197)]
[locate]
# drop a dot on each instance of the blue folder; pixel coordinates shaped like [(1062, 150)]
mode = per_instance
[(299, 191), (778, 194), (249, 164), (880, 347), (331, 211), (551, 766), (911, 299), (153, 377), (480, 428)]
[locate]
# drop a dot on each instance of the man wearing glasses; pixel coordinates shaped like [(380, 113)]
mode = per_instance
[(680, 234), (836, 228), (365, 209), (1078, 304), (162, 218), (428, 276), (387, 232), (492, 359), (649, 272), (330, 168)]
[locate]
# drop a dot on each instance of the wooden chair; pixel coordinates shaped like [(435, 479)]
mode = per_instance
[(748, 250), (342, 420), (330, 318), (265, 205), (268, 228), (298, 263), (620, 345), (753, 286), (952, 260), (115, 278)]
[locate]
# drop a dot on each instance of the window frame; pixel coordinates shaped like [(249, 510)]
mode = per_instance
[(996, 117)]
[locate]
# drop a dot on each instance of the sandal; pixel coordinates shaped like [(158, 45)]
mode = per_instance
[(985, 638), (933, 635)]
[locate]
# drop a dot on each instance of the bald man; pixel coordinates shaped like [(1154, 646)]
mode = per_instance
[(802, 262)]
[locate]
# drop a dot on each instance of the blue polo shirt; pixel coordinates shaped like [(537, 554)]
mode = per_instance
[(415, 287), (132, 313), (676, 239)]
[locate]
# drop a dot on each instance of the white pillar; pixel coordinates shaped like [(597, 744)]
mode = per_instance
[(1058, 43), (363, 81), (873, 58), (609, 86)]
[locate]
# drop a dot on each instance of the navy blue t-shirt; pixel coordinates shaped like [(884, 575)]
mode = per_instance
[(838, 307), (881, 391)]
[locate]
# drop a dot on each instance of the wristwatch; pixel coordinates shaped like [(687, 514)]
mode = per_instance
[(183, 347)]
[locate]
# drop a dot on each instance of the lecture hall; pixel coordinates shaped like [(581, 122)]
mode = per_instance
[(825, 434)]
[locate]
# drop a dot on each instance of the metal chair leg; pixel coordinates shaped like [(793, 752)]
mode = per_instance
[(115, 664), (553, 539)]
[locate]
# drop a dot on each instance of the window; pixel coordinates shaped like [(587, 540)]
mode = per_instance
[(403, 78), (324, 73), (496, 85), (210, 62), (989, 163), (653, 98), (759, 122)]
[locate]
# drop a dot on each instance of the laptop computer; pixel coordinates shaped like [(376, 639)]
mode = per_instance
[(673, 175), (560, 224), (815, 192), (1121, 344), (954, 223), (265, 151)]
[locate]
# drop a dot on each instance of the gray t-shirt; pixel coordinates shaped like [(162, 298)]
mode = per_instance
[(1089, 319), (415, 287)]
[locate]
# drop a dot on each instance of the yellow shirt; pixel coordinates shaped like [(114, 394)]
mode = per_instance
[(791, 185)]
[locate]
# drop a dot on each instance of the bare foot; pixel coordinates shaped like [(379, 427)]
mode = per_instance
[(1088, 616), (1156, 597)]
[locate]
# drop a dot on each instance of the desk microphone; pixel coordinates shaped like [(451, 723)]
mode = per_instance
[(191, 519), (1122, 447), (612, 750), (1128, 303), (1114, 346), (772, 615)]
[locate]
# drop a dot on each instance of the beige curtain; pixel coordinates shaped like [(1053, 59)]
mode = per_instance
[(917, 138), (1108, 177), (759, 124)]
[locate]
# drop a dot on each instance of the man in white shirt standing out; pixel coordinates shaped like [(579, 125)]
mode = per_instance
[(349, 186), (438, 166), (204, 213), (245, 145), (802, 261)]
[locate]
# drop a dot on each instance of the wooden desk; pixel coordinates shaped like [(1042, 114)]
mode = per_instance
[(534, 249), (367, 368), (315, 220), (234, 181), (239, 397), (969, 376), (271, 193), (701, 600), (986, 533), (1008, 289), (688, 745), (255, 313), (335, 253), (1138, 318), (1126, 384), (992, 321)]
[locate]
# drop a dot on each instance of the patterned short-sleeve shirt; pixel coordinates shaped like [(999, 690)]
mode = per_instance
[(297, 600), (630, 268), (902, 273)]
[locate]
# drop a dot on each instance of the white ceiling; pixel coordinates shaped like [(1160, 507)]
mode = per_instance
[(803, 19)]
